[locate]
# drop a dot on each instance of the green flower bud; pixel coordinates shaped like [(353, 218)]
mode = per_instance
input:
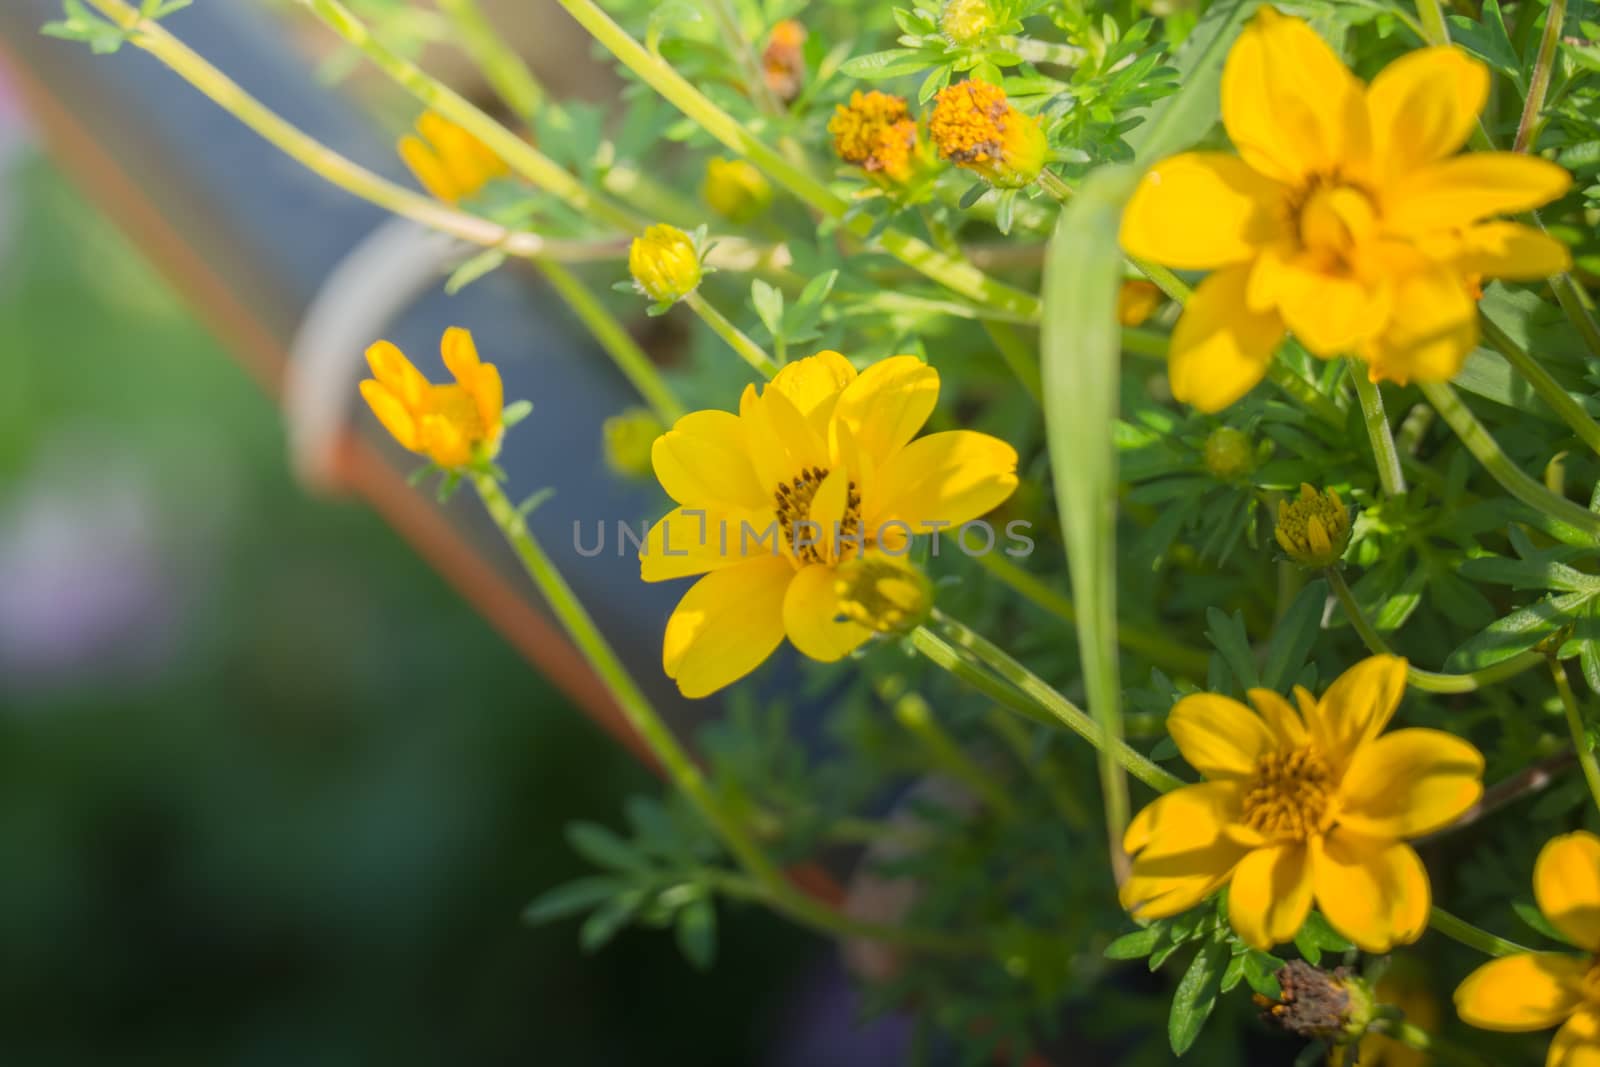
[(1229, 454), (628, 439), (966, 21), (736, 190), (1314, 529)]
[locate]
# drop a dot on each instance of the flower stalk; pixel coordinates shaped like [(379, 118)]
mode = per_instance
[(1544, 384), (1384, 454), (736, 338), (1580, 735), (1539, 81)]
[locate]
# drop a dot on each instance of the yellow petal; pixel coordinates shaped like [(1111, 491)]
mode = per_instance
[(951, 477), (393, 414), (888, 403), (391, 367), (726, 625), (1330, 314), (489, 394), (1270, 894), (1221, 738), (690, 541), (1528, 991), (1410, 782), (444, 442), (1566, 883), (429, 169), (811, 617), (1509, 250), (813, 385), (1280, 717), (1431, 340), (1289, 105), (783, 444), (460, 353), (1423, 107), (1373, 892), (1181, 854), (705, 458), (1357, 706), (1463, 189), (1220, 348), (1577, 1043), (459, 151), (1202, 210)]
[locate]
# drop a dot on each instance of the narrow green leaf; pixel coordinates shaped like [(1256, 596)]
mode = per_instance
[(1294, 635), (1134, 946), (696, 930), (1196, 996), (572, 897), (600, 846)]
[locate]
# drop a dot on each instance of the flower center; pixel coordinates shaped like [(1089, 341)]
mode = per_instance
[(806, 536), (1290, 794), (1331, 218), (456, 406)]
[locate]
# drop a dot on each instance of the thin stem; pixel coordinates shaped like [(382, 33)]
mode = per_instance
[(1434, 28), (744, 52), (655, 72), (1155, 646), (1459, 930), (328, 164), (1056, 186), (500, 64), (1390, 475), (1580, 736), (1415, 1037), (619, 344), (747, 349), (1044, 698), (1572, 302), (1478, 441), (913, 713), (1550, 391), (521, 156), (1427, 681), (1539, 80), (837, 924), (1035, 51)]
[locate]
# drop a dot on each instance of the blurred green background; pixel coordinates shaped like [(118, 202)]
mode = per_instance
[(269, 791)]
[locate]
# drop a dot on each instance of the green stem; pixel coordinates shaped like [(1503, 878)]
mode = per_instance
[(521, 156), (1572, 302), (744, 53), (328, 164), (500, 64), (677, 90), (1155, 646), (1415, 1037), (913, 713), (1549, 390), (1427, 681), (1434, 28), (619, 344), (1463, 932), (1478, 441), (1035, 51), (1580, 736), (1390, 475), (747, 349), (1539, 80), (838, 925), (1040, 695)]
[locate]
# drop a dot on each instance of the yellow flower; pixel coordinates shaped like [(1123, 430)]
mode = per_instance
[(783, 62), (1313, 529), (977, 128), (1346, 218), (1137, 300), (876, 132), (736, 190), (447, 423), (816, 470), (1538, 990), (966, 21), (1304, 805), (450, 163), (664, 263)]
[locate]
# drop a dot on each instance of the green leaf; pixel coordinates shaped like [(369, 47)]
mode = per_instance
[(1081, 343), (1134, 946), (485, 262), (1196, 996), (768, 302), (1534, 919), (1261, 972), (608, 920), (515, 412), (696, 930), (888, 64), (572, 897), (1227, 633), (600, 846), (1178, 121), (1516, 632), (1294, 636)]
